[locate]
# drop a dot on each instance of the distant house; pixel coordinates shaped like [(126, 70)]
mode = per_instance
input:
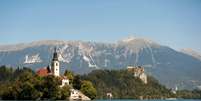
[(174, 90), (65, 81), (138, 72)]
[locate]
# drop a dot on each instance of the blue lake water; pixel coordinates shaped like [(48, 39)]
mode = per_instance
[(149, 100)]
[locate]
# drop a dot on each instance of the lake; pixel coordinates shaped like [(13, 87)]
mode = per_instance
[(150, 100)]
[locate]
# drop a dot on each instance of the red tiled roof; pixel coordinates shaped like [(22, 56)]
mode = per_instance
[(42, 72)]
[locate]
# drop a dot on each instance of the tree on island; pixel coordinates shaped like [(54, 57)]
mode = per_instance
[(88, 89), (27, 85)]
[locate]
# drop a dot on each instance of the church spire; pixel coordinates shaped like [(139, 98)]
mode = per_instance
[(55, 63), (55, 55)]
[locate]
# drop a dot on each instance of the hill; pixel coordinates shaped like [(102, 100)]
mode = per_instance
[(122, 84)]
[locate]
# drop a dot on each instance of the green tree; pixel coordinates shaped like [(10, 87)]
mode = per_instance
[(50, 87), (69, 75), (77, 82), (65, 92), (88, 89), (5, 73), (29, 92), (9, 93)]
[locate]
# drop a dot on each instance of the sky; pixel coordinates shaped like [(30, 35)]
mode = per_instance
[(174, 23)]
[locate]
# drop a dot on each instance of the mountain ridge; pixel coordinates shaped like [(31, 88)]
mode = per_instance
[(57, 42), (191, 52)]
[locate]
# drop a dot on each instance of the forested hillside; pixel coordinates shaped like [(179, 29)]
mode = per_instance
[(24, 84), (123, 84)]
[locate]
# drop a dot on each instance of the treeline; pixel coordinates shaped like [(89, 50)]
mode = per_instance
[(186, 94), (123, 85), (24, 84)]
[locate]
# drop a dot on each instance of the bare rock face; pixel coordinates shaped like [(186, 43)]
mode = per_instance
[(170, 67), (138, 72)]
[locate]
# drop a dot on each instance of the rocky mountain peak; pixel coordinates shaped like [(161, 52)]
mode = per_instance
[(131, 39), (138, 43)]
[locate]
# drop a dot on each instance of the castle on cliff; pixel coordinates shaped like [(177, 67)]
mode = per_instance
[(138, 72)]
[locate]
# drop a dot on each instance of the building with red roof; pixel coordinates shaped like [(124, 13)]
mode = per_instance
[(45, 71)]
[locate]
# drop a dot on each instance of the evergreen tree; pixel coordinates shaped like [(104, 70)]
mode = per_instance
[(88, 89), (77, 82)]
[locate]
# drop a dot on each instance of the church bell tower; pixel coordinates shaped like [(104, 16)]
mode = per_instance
[(55, 64)]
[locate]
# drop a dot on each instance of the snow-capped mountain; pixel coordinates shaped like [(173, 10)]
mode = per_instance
[(169, 66)]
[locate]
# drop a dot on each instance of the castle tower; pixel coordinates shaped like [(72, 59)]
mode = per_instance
[(55, 64)]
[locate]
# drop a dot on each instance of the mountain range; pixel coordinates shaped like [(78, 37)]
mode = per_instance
[(171, 67)]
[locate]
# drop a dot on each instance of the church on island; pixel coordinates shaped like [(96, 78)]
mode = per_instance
[(54, 69)]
